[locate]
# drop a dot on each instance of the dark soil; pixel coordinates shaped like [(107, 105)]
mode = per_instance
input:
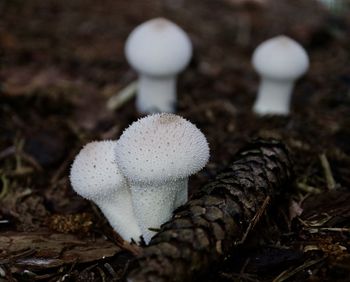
[(62, 60)]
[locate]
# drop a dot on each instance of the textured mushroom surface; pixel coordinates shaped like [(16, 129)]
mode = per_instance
[(157, 154), (95, 174), (161, 147)]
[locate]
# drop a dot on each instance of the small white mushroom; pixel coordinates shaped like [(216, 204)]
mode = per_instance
[(95, 176), (279, 61), (158, 50), (157, 154)]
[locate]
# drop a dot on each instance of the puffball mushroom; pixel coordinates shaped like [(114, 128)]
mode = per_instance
[(279, 61), (158, 50), (95, 176), (157, 154)]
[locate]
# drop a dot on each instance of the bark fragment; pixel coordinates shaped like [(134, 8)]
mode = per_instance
[(43, 250), (218, 217)]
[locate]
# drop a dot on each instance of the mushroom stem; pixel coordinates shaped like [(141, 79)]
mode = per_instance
[(95, 175), (119, 213), (181, 195), (156, 94), (157, 154), (274, 97), (154, 205)]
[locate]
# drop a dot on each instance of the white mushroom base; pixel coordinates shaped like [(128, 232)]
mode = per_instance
[(120, 214), (154, 205), (156, 94), (273, 97), (181, 196)]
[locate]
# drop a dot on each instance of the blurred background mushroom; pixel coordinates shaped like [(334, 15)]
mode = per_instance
[(158, 50)]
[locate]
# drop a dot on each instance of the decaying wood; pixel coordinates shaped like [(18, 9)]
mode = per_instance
[(218, 218)]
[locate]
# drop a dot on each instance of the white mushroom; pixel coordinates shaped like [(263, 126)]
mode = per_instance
[(279, 61), (158, 50), (157, 154), (95, 176)]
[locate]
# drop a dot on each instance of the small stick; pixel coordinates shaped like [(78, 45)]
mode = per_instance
[(5, 186), (255, 219), (291, 272), (123, 96), (327, 172), (309, 189)]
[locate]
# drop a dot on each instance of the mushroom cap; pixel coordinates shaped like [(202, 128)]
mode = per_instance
[(94, 173), (280, 58), (158, 47), (160, 148)]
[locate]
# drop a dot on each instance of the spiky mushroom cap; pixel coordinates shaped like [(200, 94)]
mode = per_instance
[(161, 147), (158, 47), (280, 58), (95, 174)]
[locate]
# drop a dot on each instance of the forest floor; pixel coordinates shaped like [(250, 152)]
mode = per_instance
[(62, 60)]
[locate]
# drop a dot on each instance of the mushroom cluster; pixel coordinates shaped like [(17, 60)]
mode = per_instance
[(140, 179), (158, 50)]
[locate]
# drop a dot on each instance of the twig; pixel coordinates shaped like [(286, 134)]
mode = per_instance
[(291, 272), (123, 96), (31, 160), (255, 219), (318, 222), (327, 172), (7, 152), (5, 186), (244, 266), (238, 277), (333, 229), (102, 274), (308, 189), (23, 170), (19, 144)]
